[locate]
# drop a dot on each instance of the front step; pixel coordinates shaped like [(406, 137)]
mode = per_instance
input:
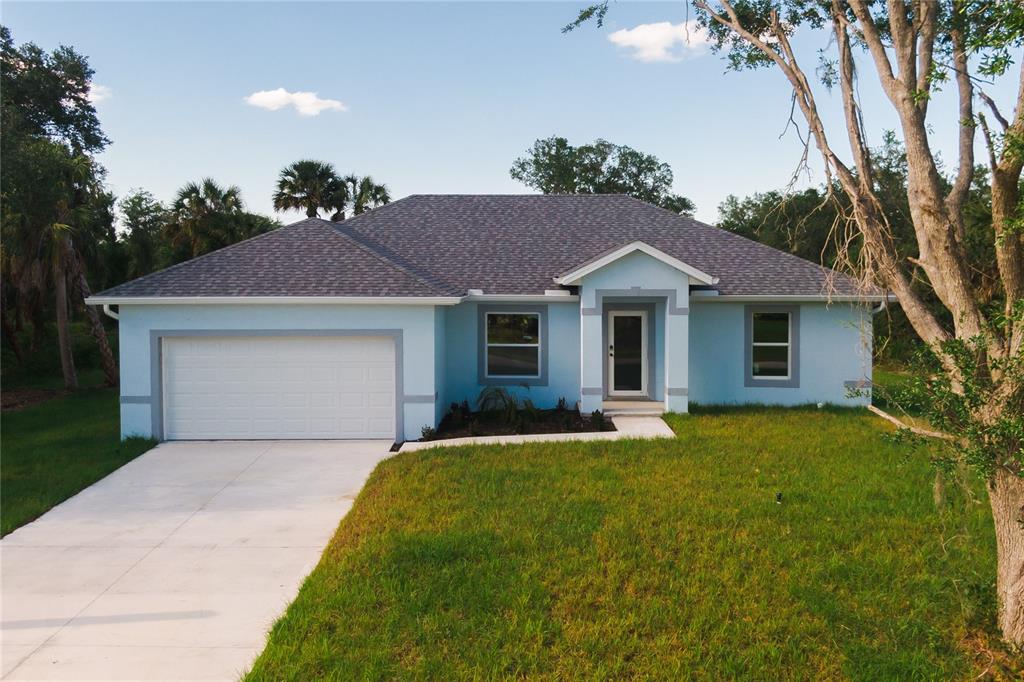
[(632, 408)]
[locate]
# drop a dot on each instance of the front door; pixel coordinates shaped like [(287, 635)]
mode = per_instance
[(627, 353)]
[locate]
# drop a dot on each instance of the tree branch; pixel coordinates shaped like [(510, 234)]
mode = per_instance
[(965, 174), (926, 27)]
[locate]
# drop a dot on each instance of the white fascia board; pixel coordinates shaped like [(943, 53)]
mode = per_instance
[(272, 300), (696, 276), (768, 298), (524, 298)]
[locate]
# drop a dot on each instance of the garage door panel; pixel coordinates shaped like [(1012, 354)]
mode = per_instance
[(279, 387)]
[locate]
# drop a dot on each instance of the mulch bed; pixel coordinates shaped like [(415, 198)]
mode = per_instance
[(463, 425)]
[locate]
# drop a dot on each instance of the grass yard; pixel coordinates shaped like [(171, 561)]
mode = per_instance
[(663, 559), (51, 451)]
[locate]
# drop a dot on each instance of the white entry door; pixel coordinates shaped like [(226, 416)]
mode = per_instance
[(270, 387), (627, 353)]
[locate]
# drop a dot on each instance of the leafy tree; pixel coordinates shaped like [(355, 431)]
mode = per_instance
[(363, 194), (52, 201), (144, 219), (310, 186), (912, 48), (46, 95), (554, 166)]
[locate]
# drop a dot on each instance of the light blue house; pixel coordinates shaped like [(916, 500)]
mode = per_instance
[(372, 327)]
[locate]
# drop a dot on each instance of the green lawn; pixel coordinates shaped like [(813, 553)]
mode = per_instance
[(49, 452), (662, 559)]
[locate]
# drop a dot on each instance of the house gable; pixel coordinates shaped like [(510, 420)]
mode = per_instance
[(574, 276)]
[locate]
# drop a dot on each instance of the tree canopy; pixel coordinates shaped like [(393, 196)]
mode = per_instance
[(554, 166)]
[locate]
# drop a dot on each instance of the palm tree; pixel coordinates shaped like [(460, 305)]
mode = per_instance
[(364, 194), (40, 256), (310, 186), (199, 209)]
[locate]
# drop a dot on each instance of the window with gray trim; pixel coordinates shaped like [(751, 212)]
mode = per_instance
[(771, 347), (513, 345), (540, 312)]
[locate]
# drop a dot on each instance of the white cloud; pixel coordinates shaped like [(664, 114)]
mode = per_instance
[(306, 103), (98, 93), (657, 42)]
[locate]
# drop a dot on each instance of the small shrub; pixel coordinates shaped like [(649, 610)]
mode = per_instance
[(428, 433), (501, 401), (563, 405), (598, 421), (455, 417), (529, 414)]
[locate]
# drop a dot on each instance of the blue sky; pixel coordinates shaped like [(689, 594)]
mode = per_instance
[(437, 97)]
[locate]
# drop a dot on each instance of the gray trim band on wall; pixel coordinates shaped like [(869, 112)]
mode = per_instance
[(418, 399), (858, 383), (481, 344), (677, 391), (670, 294), (135, 399), (590, 390), (156, 363), (794, 346)]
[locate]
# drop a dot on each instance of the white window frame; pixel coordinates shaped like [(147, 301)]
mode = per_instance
[(773, 344), (488, 345)]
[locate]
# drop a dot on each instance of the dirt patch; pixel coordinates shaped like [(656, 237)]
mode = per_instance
[(20, 398)]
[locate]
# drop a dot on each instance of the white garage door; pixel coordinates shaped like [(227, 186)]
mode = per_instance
[(278, 387)]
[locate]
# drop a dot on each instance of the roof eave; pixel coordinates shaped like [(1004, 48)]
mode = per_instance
[(272, 300), (795, 298)]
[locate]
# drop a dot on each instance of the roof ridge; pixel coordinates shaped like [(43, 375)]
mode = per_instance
[(377, 251), (518, 195)]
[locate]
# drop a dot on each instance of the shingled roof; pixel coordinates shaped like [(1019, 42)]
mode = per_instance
[(445, 245)]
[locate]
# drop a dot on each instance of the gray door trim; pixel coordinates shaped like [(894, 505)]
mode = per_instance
[(651, 309), (156, 389), (670, 294)]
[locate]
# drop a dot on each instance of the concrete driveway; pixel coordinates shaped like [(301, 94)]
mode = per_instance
[(176, 565)]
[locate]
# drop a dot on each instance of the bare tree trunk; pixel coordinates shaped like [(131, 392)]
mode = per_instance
[(1006, 495), (38, 324), (99, 333), (67, 360), (11, 334)]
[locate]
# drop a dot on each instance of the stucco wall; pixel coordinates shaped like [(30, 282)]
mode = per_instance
[(462, 351), (417, 324), (639, 276), (835, 347)]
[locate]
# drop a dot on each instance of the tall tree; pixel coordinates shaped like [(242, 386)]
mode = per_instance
[(201, 210), (363, 194), (52, 188), (554, 166), (310, 186), (144, 219), (911, 47)]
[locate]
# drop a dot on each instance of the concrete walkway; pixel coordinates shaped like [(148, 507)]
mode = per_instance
[(175, 565), (626, 427)]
